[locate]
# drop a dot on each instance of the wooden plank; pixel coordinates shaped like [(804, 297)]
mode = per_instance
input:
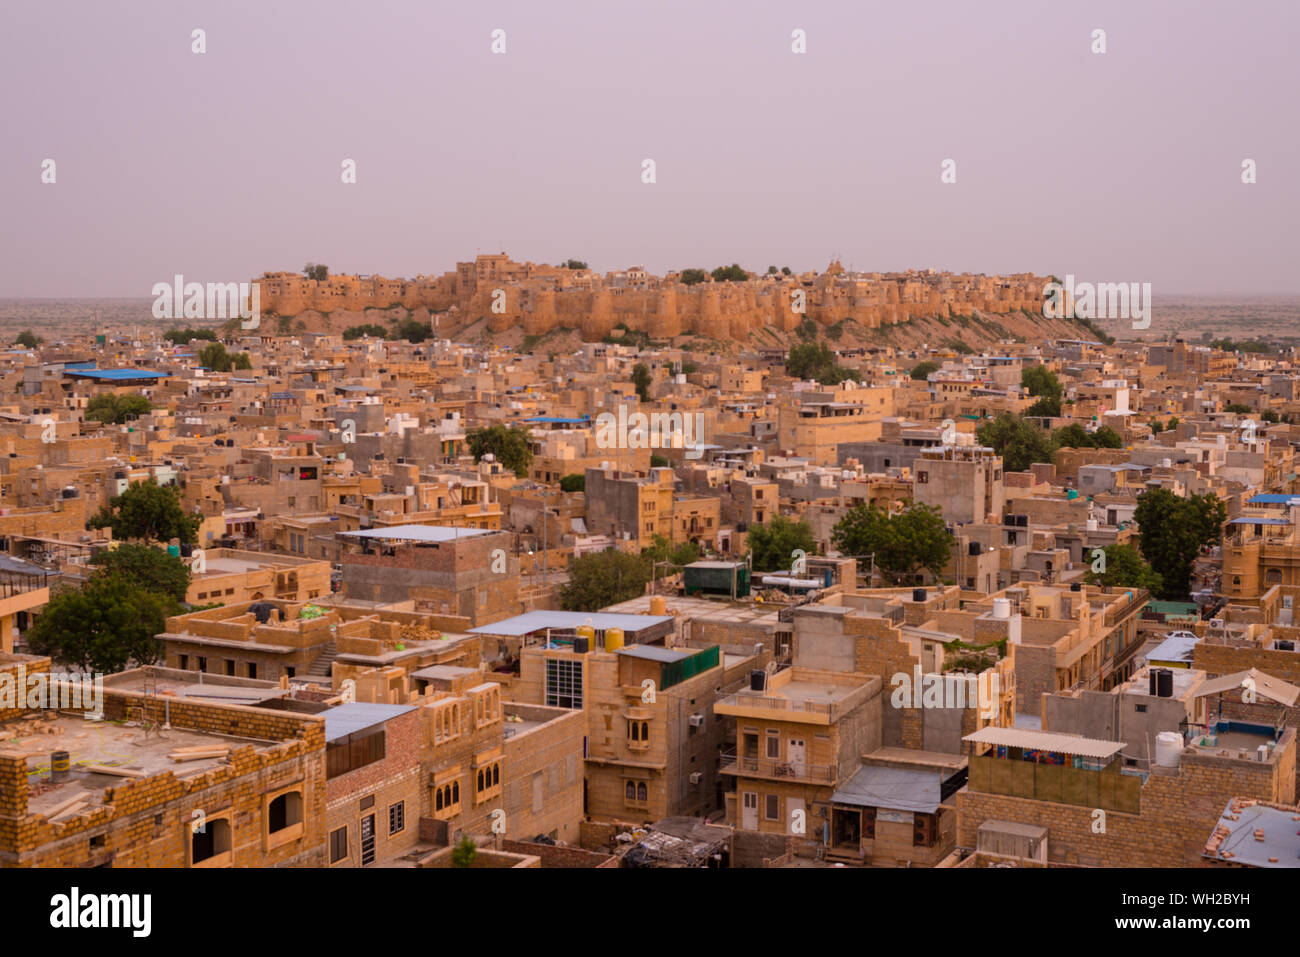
[(199, 755), (120, 772), (60, 808)]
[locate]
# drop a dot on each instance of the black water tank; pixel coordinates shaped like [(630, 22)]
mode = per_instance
[(1008, 519), (1165, 684), (757, 680), (918, 594), (1076, 586), (1022, 521), (580, 645), (1151, 681), (974, 548)]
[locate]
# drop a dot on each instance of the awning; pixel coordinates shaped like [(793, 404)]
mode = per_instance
[(1046, 741)]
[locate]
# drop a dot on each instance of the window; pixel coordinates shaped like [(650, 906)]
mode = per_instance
[(772, 807), (353, 751), (487, 781), (774, 745), (1141, 709), (284, 812), (210, 845), (230, 667), (252, 670), (184, 663), (922, 478), (563, 683), (446, 799), (338, 845), (397, 817)]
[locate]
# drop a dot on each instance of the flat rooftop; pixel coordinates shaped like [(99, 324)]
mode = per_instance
[(125, 745)]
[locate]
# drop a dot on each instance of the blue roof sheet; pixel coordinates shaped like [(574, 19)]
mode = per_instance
[(118, 374)]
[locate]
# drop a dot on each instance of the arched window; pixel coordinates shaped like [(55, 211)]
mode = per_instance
[(437, 799), (631, 791), (455, 792), (480, 779), (641, 793), (496, 774)]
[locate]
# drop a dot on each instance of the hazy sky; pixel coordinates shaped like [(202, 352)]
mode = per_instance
[(1120, 167)]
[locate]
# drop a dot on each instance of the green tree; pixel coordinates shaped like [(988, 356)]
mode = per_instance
[(690, 277), (103, 627), (147, 567), (1122, 567), (1173, 424), (575, 264), (1172, 532), (786, 271), (215, 357), (1041, 381), (805, 360), (512, 446), (573, 483), (465, 852), (27, 340), (181, 337), (1237, 408), (1073, 436), (921, 371), (772, 270), (1049, 406), (241, 360), (772, 546), (371, 329), (316, 271), (641, 380), (732, 273), (149, 512), (412, 330), (1107, 438), (807, 330), (602, 579), (902, 545), (1268, 415), (659, 462), (113, 409), (1020, 443), (663, 550)]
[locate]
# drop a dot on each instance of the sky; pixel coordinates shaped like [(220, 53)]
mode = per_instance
[(1124, 166)]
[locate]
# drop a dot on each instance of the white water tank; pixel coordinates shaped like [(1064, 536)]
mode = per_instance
[(1002, 608), (1092, 524), (1169, 745)]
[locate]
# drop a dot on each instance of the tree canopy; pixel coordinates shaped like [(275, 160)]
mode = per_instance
[(903, 545), (113, 409), (1020, 443), (921, 371), (374, 330), (1172, 532), (772, 545), (147, 566), (1121, 566), (602, 579), (317, 271), (149, 512), (641, 380), (103, 627), (512, 446)]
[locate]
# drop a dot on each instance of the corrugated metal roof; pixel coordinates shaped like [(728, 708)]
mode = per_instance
[(1046, 741), (895, 789), (1274, 689), (654, 653), (419, 533), (358, 716), (541, 620)]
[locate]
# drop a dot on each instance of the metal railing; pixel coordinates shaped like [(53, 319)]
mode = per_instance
[(734, 764)]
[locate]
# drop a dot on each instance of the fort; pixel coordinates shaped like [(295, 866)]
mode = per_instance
[(540, 298)]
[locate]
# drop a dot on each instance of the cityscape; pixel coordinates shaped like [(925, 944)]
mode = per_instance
[(854, 525)]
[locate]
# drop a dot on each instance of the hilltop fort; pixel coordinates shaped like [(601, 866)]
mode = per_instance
[(540, 298)]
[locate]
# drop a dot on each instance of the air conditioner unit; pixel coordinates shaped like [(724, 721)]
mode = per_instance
[(696, 777), (1216, 622), (697, 720)]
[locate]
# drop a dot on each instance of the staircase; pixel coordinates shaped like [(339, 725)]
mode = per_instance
[(323, 666)]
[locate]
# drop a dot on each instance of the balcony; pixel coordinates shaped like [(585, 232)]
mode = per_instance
[(734, 764)]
